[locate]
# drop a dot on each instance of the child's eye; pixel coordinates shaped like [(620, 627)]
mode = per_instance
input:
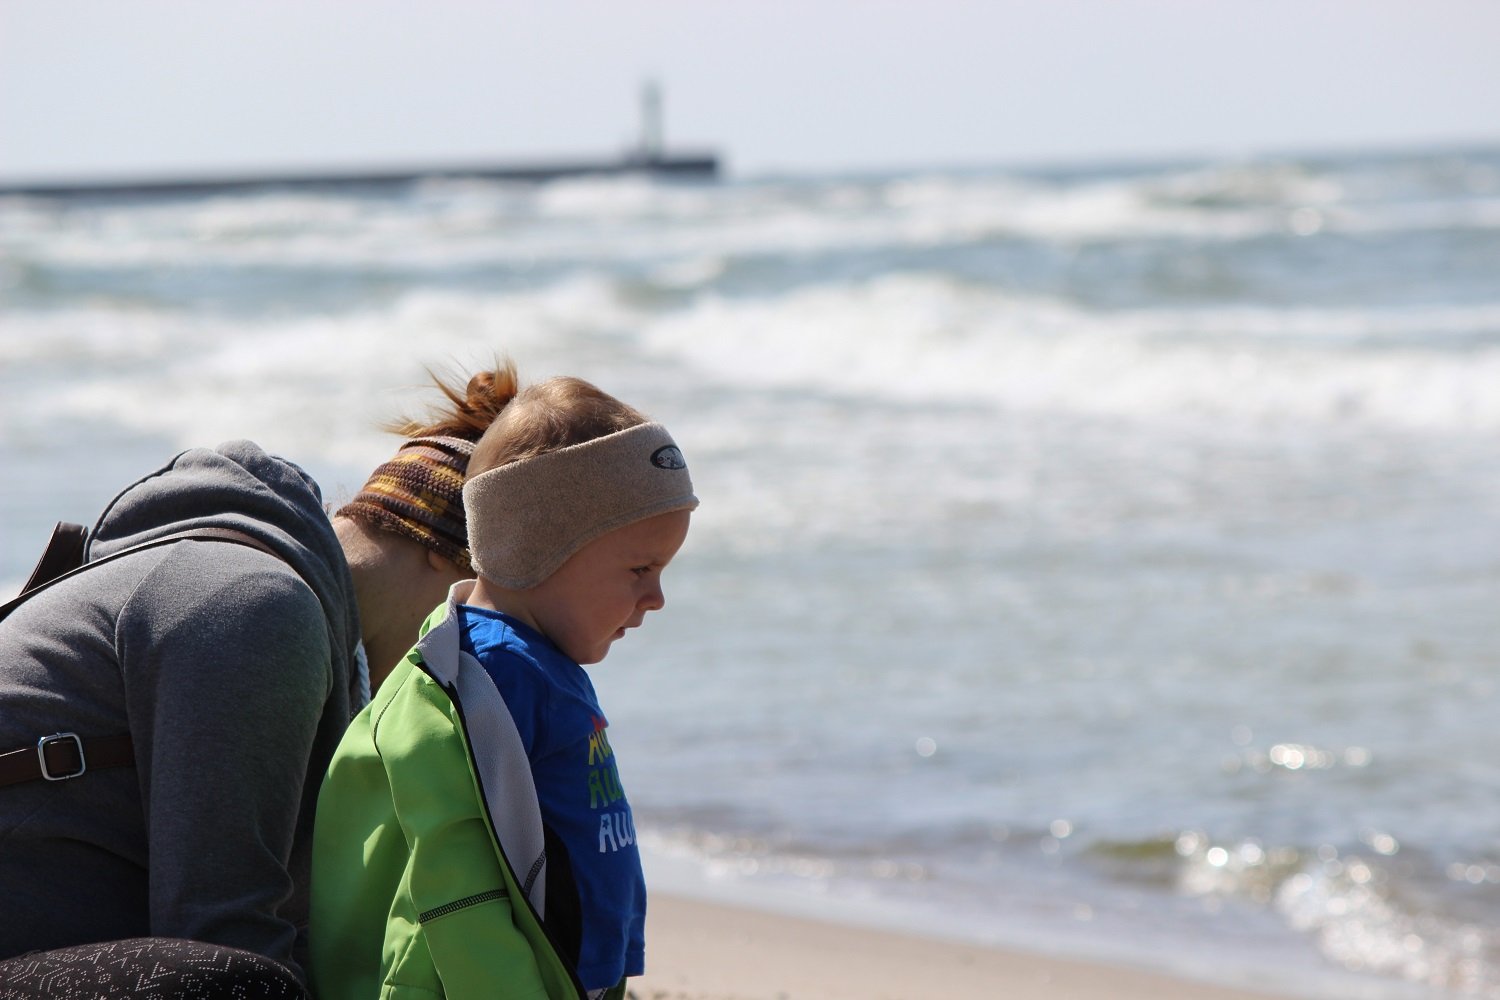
[(640, 570)]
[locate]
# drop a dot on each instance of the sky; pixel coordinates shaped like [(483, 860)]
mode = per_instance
[(102, 88)]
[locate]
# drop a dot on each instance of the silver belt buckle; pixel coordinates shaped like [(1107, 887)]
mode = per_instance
[(41, 755)]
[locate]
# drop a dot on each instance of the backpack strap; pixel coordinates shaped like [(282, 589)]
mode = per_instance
[(67, 755), (63, 557), (64, 552)]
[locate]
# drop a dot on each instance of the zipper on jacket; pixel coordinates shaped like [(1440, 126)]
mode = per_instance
[(460, 904), (452, 692)]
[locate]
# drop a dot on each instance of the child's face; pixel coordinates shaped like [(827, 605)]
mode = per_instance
[(607, 586)]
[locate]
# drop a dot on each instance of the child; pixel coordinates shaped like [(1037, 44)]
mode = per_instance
[(472, 835)]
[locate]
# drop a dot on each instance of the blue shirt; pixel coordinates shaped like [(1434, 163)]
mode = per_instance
[(577, 784)]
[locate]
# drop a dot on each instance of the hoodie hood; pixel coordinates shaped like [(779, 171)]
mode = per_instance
[(239, 486)]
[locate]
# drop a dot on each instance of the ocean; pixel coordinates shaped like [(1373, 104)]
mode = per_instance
[(1101, 559)]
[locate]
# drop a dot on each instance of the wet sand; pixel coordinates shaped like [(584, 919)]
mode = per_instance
[(706, 951)]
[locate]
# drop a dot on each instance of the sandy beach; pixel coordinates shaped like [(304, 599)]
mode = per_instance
[(707, 951)]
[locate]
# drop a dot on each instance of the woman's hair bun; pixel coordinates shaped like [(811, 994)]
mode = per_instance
[(469, 410)]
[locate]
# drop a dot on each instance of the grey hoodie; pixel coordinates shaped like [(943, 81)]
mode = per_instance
[(232, 672)]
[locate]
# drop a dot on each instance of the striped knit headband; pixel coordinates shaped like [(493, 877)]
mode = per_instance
[(528, 517), (419, 494)]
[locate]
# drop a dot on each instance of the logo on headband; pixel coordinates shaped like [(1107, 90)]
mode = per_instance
[(668, 457)]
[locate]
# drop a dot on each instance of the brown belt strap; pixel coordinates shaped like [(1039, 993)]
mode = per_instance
[(62, 756)]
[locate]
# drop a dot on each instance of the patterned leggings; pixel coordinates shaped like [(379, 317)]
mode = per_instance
[(159, 968)]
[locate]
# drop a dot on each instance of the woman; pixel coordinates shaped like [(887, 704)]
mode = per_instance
[(206, 685)]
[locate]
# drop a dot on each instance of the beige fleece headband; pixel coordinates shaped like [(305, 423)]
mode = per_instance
[(528, 517)]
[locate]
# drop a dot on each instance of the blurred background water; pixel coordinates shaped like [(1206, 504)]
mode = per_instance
[(1101, 560)]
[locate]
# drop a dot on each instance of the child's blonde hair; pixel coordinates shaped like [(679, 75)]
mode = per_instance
[(549, 416), (563, 464)]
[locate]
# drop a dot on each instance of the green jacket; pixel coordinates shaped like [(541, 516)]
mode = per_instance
[(429, 872)]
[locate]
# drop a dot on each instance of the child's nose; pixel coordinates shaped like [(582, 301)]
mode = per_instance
[(654, 599)]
